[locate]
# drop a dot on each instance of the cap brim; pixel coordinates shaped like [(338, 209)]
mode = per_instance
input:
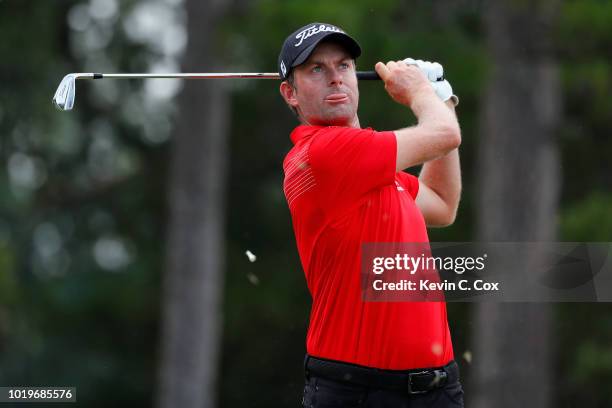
[(351, 45)]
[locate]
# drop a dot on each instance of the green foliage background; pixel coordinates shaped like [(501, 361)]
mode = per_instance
[(97, 176)]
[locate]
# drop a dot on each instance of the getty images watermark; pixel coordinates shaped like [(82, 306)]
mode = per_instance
[(413, 264), (497, 271)]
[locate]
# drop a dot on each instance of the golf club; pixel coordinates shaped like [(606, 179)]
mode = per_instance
[(66, 91)]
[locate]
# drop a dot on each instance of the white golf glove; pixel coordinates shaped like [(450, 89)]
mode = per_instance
[(435, 73)]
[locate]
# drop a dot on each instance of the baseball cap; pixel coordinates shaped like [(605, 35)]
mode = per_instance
[(300, 44)]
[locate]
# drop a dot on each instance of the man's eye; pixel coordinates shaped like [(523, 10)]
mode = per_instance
[(344, 65), (316, 69)]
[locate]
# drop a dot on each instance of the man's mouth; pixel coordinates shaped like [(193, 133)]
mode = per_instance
[(337, 98)]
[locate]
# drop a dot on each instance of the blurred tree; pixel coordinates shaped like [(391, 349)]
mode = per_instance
[(519, 181), (193, 282)]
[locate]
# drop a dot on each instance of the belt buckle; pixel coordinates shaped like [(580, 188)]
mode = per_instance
[(410, 390)]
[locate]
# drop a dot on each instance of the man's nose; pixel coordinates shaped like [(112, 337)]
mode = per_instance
[(335, 77)]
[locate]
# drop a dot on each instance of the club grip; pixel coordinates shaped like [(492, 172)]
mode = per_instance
[(367, 75)]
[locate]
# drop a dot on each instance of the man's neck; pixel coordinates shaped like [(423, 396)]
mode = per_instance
[(354, 123)]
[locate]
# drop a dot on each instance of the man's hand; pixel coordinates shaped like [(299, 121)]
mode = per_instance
[(432, 70), (403, 82), (445, 92), (435, 73)]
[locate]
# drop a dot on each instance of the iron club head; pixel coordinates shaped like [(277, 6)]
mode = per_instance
[(65, 94)]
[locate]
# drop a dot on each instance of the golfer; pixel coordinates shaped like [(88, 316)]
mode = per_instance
[(345, 186)]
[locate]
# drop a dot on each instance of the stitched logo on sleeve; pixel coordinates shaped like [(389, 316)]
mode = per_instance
[(298, 175)]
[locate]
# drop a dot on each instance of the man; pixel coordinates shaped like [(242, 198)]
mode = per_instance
[(345, 186)]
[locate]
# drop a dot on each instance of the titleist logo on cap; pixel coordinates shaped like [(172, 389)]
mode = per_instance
[(310, 31)]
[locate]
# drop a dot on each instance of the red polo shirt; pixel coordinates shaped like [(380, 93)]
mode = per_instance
[(342, 190)]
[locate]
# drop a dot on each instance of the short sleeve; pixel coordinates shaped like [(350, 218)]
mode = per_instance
[(410, 182), (348, 163)]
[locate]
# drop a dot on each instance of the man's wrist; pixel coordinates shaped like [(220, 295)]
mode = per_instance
[(421, 98)]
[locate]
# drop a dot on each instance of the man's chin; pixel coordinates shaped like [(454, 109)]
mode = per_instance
[(340, 119)]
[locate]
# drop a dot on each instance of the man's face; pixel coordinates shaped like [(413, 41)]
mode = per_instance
[(325, 88)]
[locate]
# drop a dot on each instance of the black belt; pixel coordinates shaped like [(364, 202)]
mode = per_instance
[(417, 381)]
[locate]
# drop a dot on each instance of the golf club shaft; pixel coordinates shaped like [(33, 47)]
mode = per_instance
[(64, 97), (363, 75)]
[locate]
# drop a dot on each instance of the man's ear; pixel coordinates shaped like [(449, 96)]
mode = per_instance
[(288, 92)]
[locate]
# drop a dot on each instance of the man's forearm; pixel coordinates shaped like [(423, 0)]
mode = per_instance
[(443, 175), (436, 134)]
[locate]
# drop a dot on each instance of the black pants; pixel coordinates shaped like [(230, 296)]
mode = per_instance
[(324, 393)]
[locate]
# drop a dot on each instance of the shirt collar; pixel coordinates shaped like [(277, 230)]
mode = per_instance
[(302, 131)]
